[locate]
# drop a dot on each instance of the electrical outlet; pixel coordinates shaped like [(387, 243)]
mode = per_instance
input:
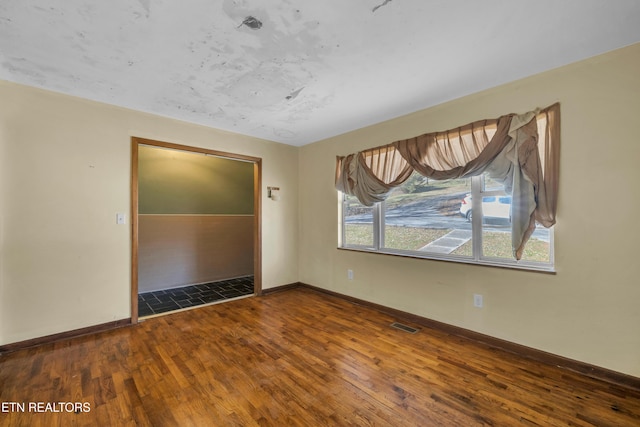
[(350, 274), (477, 300)]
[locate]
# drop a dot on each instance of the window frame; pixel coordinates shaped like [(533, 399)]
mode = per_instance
[(477, 258)]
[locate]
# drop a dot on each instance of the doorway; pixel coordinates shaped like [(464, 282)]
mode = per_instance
[(175, 229)]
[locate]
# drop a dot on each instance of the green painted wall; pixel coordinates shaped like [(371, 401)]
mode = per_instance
[(179, 182)]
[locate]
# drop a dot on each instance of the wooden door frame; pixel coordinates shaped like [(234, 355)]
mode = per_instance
[(257, 210)]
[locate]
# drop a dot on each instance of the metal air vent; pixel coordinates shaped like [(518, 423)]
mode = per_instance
[(404, 327)]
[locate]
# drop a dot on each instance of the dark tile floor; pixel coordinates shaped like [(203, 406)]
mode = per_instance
[(188, 296)]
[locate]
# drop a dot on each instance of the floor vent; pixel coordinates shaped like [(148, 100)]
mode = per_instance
[(404, 327)]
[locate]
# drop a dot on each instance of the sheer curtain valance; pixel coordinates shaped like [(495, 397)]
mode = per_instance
[(520, 150)]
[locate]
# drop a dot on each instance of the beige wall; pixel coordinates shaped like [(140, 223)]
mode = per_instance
[(65, 173), (590, 309)]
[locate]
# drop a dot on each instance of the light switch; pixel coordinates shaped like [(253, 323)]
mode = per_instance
[(121, 218)]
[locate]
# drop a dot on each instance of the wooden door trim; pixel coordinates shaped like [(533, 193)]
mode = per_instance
[(134, 230), (257, 203)]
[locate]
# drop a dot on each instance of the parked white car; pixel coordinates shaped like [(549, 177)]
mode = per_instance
[(492, 207)]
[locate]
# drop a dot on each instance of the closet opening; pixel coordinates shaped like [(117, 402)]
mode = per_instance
[(196, 221)]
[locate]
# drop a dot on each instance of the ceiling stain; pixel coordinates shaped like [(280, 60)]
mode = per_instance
[(294, 94), (145, 5), (380, 5), (251, 22)]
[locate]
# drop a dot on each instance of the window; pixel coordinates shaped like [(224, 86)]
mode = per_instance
[(423, 215), (434, 219)]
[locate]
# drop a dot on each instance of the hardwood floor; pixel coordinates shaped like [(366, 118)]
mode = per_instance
[(295, 358)]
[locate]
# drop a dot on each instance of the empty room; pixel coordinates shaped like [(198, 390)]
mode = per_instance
[(275, 213)]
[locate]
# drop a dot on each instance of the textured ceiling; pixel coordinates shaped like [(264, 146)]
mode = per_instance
[(297, 71)]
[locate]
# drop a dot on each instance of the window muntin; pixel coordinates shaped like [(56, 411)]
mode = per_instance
[(435, 219)]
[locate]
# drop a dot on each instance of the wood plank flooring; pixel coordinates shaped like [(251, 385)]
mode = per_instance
[(296, 358)]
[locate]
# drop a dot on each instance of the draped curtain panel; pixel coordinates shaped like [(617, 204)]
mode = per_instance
[(520, 150)]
